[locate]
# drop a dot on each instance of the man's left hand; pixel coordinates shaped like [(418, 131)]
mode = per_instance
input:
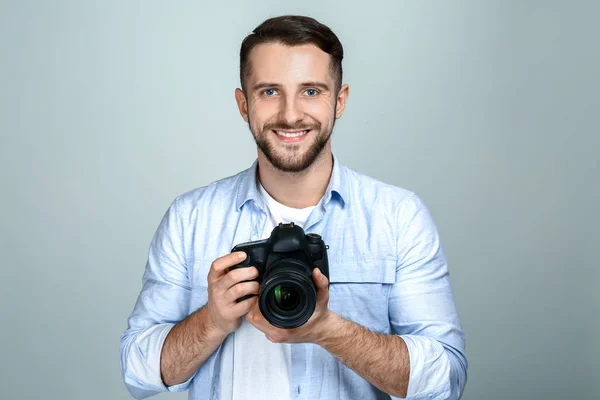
[(311, 331)]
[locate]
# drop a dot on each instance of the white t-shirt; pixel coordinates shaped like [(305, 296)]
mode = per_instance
[(262, 369)]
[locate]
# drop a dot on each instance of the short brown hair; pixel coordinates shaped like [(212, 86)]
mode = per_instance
[(293, 30)]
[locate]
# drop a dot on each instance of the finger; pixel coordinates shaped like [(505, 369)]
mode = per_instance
[(256, 319), (219, 267), (238, 275), (240, 290), (243, 307), (319, 279), (254, 314), (322, 284)]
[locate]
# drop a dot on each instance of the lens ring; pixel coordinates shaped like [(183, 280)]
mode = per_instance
[(292, 318), (287, 318)]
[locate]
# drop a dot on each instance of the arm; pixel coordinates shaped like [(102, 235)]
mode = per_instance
[(382, 360), (192, 341), (422, 309), (162, 302), (425, 358), (187, 346), (163, 345)]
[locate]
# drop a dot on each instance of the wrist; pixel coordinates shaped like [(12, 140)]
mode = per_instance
[(212, 331), (330, 325)]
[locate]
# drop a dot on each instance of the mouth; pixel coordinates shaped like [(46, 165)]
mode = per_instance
[(291, 136)]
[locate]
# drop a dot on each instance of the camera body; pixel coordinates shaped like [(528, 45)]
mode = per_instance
[(285, 261)]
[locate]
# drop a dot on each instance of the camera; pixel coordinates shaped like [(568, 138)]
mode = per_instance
[(287, 296)]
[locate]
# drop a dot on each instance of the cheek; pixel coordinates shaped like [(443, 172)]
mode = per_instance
[(321, 110), (262, 113)]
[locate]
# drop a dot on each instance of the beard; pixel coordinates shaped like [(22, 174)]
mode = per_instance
[(291, 159)]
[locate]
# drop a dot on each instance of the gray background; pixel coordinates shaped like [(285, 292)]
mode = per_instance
[(488, 110)]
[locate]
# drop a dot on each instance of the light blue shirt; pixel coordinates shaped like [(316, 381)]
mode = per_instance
[(387, 272)]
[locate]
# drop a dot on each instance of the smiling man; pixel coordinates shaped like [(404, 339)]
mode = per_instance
[(385, 323)]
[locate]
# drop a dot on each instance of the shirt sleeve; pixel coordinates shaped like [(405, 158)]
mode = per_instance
[(162, 302), (422, 309)]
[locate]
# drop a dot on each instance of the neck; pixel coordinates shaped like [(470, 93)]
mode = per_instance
[(297, 189)]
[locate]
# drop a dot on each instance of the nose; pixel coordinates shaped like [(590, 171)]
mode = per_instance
[(291, 112)]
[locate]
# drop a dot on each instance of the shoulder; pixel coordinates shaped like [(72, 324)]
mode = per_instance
[(370, 191), (217, 193), (381, 201)]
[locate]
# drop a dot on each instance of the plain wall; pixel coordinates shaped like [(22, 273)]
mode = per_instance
[(488, 110)]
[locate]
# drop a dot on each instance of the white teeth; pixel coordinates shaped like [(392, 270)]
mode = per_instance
[(291, 135)]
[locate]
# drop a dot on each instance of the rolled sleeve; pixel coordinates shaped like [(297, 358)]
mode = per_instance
[(422, 309), (429, 365), (162, 302), (143, 377)]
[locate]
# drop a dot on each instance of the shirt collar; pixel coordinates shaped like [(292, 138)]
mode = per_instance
[(247, 186)]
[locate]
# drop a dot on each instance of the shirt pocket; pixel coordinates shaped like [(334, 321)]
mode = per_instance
[(360, 293)]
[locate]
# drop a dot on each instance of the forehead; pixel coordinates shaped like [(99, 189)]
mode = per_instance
[(275, 62)]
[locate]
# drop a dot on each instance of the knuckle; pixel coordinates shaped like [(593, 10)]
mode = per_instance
[(239, 290), (235, 275), (245, 273)]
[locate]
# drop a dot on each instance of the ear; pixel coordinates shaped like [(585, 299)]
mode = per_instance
[(242, 104), (342, 97)]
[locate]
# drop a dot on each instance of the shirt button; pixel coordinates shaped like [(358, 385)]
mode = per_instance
[(298, 389)]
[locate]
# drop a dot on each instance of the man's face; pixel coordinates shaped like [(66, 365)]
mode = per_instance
[(291, 103)]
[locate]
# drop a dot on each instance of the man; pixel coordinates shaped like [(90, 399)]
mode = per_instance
[(385, 323)]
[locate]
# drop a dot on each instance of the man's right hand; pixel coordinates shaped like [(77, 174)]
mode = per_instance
[(224, 288)]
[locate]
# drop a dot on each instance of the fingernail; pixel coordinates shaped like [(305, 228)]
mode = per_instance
[(241, 254)]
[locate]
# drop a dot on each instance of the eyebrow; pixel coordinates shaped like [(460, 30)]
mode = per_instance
[(265, 85)]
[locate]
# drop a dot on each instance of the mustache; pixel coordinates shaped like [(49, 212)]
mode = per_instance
[(283, 126)]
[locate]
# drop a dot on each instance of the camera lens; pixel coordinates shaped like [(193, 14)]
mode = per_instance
[(286, 297)]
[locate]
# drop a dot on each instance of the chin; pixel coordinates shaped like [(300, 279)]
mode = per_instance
[(287, 165), (293, 163)]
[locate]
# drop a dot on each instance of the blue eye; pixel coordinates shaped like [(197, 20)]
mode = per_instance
[(311, 92), (269, 92)]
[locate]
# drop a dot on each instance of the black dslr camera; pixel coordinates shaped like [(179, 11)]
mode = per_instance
[(285, 261)]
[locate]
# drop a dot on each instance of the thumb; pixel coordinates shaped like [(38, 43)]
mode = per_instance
[(321, 282)]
